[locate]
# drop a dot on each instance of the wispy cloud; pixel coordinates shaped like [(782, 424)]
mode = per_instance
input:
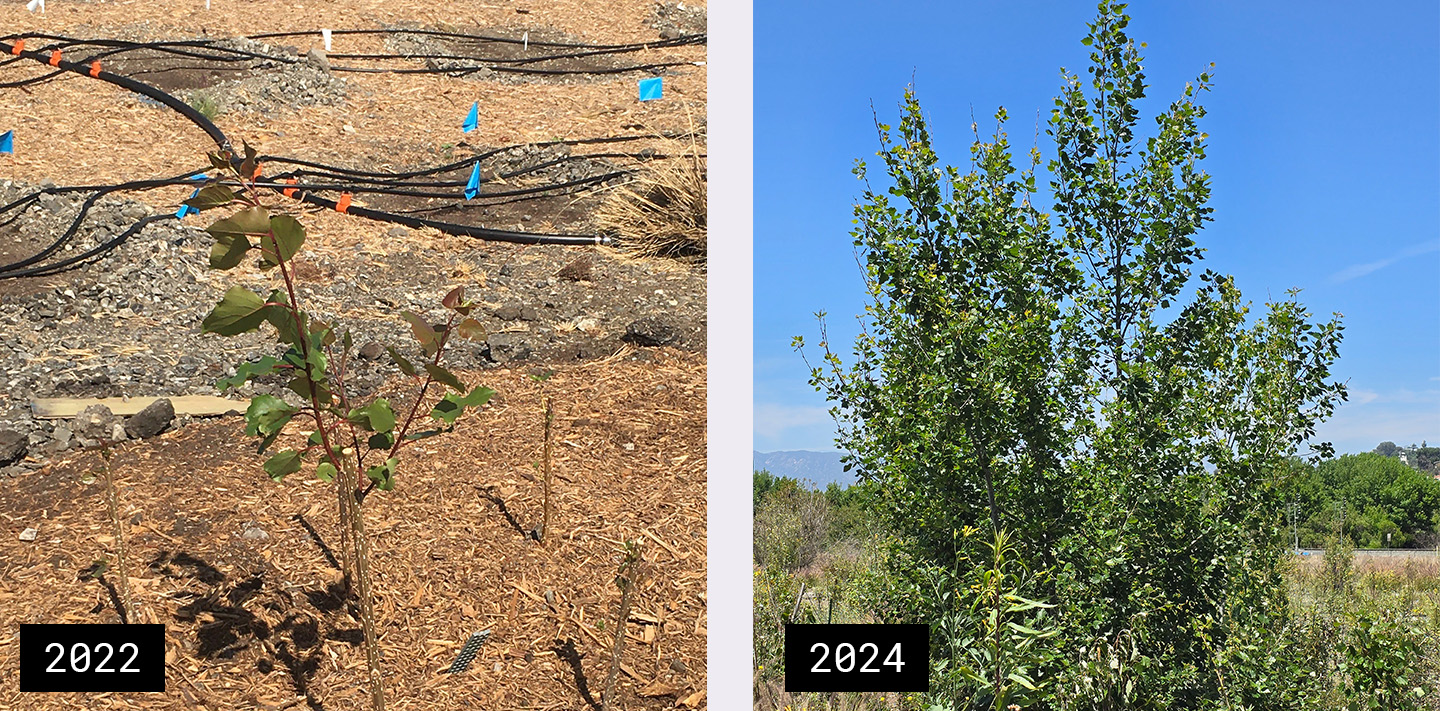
[(1360, 396), (1402, 416), (1356, 271)]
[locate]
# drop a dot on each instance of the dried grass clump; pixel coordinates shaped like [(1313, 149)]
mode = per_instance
[(661, 213)]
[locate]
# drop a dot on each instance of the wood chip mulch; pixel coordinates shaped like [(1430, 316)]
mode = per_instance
[(236, 566)]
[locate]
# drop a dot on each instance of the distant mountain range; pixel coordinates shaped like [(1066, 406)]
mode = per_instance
[(816, 468)]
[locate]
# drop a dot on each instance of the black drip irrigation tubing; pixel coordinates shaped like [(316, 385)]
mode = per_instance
[(511, 65), (23, 267), (373, 182)]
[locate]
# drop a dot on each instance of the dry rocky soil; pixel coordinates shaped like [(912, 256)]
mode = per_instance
[(240, 569)]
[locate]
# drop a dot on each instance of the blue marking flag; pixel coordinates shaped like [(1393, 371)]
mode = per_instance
[(472, 188), (472, 121), (7, 142), (186, 209), (199, 177), (651, 89)]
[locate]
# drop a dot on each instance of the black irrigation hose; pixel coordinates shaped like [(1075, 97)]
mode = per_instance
[(676, 42), (223, 142), (16, 269), (97, 251), (499, 65)]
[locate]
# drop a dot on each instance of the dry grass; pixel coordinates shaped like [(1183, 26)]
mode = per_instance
[(661, 213), (770, 695)]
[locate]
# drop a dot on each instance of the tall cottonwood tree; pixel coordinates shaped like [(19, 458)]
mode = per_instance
[(1044, 374)]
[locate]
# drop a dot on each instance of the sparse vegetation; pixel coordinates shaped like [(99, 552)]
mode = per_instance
[(315, 362)]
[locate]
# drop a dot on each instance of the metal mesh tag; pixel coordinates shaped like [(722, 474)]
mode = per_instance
[(468, 652)]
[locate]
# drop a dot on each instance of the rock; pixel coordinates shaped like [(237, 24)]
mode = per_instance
[(62, 438), (13, 446), (316, 56), (152, 420), (95, 422), (117, 432), (508, 312), (650, 331), (255, 533), (578, 270), (398, 232), (669, 33), (504, 347), (29, 534), (372, 351), (678, 666), (506, 269)]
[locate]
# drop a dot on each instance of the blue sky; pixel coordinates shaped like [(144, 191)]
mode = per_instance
[(1324, 149)]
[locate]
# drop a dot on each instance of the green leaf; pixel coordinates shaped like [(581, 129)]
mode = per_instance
[(220, 160), (442, 375), (240, 311), (283, 319), (267, 441), (406, 366), (477, 397), (325, 471), (423, 435), (283, 463), (447, 409), (321, 334), (246, 371), (375, 417), (452, 405), (228, 251), (301, 385), (252, 221), (212, 196), (471, 329), (429, 340), (266, 415), (383, 474), (382, 440), (284, 237)]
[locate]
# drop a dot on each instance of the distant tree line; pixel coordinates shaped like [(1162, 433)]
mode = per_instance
[(1423, 458), (1373, 499)]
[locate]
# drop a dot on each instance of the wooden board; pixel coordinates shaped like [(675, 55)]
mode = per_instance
[(195, 405)]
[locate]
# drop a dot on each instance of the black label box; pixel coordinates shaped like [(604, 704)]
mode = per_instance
[(93, 658), (857, 658)]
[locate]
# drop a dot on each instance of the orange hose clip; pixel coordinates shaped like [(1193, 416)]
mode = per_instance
[(343, 203), (95, 69), (55, 58), (19, 47), (289, 192)]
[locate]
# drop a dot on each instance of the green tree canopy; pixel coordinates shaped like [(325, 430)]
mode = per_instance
[(1045, 375)]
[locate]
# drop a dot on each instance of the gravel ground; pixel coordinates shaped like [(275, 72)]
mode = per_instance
[(675, 19), (404, 43), (130, 324)]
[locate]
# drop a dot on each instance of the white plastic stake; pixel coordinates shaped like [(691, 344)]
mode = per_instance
[(207, 4), (36, 4), (527, 40), (325, 34)]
